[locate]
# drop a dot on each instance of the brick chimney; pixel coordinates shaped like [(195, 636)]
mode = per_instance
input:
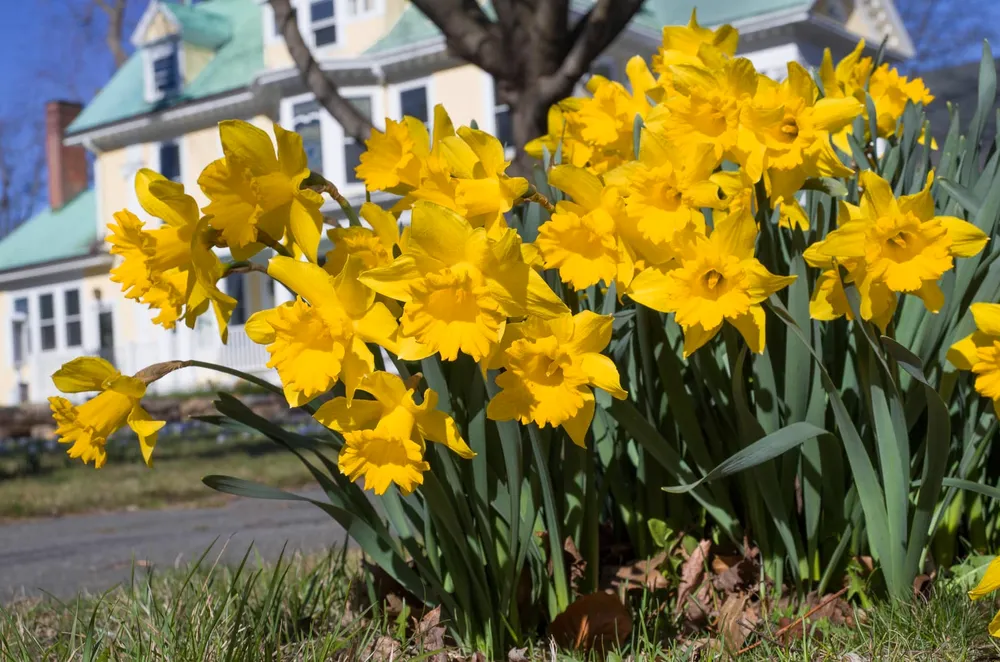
[(67, 165)]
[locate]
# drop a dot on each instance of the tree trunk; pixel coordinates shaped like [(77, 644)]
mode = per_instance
[(529, 120), (354, 123)]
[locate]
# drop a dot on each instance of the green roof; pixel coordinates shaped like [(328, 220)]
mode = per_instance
[(413, 27), (200, 27), (233, 67), (53, 235)]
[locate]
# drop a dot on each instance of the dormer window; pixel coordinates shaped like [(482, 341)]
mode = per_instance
[(165, 73), (362, 8), (323, 22)]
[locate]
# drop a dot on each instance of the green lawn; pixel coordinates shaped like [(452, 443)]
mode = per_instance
[(313, 609), (61, 486)]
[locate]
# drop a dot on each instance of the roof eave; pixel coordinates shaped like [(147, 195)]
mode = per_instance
[(53, 267)]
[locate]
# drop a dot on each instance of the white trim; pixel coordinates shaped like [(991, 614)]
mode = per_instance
[(150, 54), (377, 9), (152, 10), (25, 273), (395, 110)]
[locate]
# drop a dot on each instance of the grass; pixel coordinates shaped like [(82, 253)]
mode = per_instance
[(61, 486), (308, 609)]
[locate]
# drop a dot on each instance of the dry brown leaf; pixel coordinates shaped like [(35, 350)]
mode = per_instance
[(517, 655), (597, 622), (574, 561), (383, 649), (737, 620), (692, 573), (428, 633), (740, 574), (639, 574)]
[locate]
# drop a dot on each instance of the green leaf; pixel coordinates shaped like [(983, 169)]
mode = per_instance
[(829, 185), (972, 486), (963, 196), (760, 451), (987, 94)]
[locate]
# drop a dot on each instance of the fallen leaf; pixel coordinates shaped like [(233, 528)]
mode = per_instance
[(517, 655), (692, 573), (736, 620), (922, 586), (574, 561), (383, 649), (428, 633), (639, 574), (596, 622), (740, 574)]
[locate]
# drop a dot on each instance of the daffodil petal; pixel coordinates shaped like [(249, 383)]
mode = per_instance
[(85, 373)]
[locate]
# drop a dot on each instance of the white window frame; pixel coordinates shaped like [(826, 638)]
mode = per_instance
[(22, 333), (288, 120), (336, 21), (491, 103), (49, 321), (396, 98), (153, 52), (181, 161), (333, 136), (69, 319), (376, 9)]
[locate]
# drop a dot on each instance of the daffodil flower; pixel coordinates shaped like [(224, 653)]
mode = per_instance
[(319, 338), (252, 190), (584, 237), (88, 426), (384, 438), (458, 286), (989, 583), (172, 269), (891, 246), (550, 367), (714, 279), (980, 351), (793, 124), (373, 245), (393, 158), (685, 44)]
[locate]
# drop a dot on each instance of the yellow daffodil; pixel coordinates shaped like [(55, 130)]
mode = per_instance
[(707, 109), (597, 132), (384, 438), (980, 351), (373, 245), (581, 239), (550, 367), (716, 278), (252, 190), (393, 157), (988, 584), (794, 127), (686, 44), (856, 75), (88, 426), (172, 269), (319, 338), (458, 285), (890, 246), (666, 192)]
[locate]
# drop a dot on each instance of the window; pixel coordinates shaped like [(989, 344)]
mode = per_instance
[(170, 161), (22, 393), (413, 102), (18, 325), (47, 319), (352, 148), (358, 8), (323, 22), (165, 72), (501, 115), (236, 288), (306, 122), (74, 334)]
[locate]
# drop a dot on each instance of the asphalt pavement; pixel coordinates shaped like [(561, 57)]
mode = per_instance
[(66, 555)]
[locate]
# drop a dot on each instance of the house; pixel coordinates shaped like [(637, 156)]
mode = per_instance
[(198, 62)]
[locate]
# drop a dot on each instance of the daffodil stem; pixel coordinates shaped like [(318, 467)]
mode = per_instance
[(242, 267), (539, 199), (643, 319), (263, 383), (272, 243)]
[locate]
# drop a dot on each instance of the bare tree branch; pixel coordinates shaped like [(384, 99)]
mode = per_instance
[(115, 12), (470, 34), (595, 32), (354, 123)]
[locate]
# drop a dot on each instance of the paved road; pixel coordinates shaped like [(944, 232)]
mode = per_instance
[(94, 552)]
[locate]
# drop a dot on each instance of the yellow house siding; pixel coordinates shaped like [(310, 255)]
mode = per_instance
[(463, 92), (195, 59), (159, 28)]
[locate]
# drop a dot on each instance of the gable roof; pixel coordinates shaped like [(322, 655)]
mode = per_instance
[(233, 67), (49, 236), (413, 27)]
